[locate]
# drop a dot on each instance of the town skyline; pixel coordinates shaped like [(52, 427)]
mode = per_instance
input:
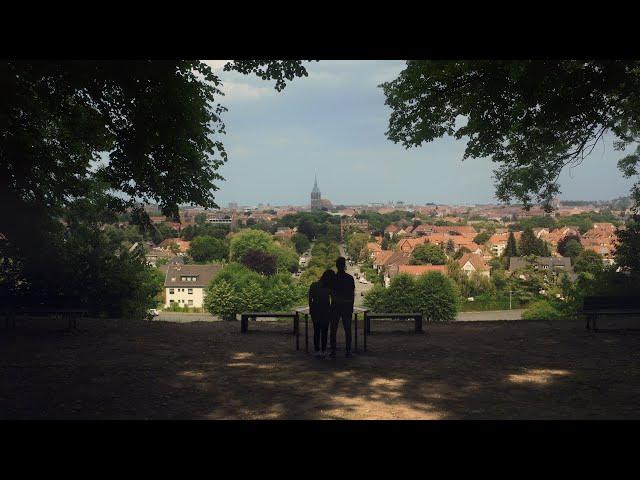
[(333, 123)]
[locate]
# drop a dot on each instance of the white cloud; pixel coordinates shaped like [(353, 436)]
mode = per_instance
[(216, 64), (244, 91)]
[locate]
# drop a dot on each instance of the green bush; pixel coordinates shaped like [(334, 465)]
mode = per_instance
[(542, 310), (236, 289), (436, 297), (432, 294)]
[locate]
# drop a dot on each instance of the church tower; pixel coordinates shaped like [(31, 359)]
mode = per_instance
[(316, 198)]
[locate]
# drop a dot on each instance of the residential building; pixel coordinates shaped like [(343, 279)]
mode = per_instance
[(552, 264), (413, 270), (352, 223), (474, 263), (391, 230), (285, 232), (183, 245), (186, 284), (497, 243)]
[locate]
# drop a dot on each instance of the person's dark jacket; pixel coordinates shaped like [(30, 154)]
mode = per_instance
[(344, 290), (320, 299)]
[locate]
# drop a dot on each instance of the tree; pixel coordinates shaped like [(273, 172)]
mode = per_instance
[(451, 247), (301, 242), (208, 249), (286, 258), (436, 297), (461, 251), (252, 297), (532, 117), (123, 132), (428, 253), (588, 261), (627, 250), (573, 249), (355, 243), (260, 261), (530, 245), (562, 244), (512, 248), (247, 240), (401, 296), (482, 238), (222, 300), (306, 227)]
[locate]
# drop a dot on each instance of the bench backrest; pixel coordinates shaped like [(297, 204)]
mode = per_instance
[(610, 303)]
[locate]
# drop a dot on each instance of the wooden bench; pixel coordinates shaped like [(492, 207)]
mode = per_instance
[(593, 307), (417, 318), (71, 314), (244, 319)]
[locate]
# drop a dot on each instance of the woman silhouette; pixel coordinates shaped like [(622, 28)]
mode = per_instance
[(320, 298)]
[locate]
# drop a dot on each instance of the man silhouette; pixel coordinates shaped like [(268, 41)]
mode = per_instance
[(343, 297)]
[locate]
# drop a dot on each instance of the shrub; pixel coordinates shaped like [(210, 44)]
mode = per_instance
[(222, 300), (206, 249), (240, 289), (436, 297), (428, 253), (542, 310), (247, 240), (433, 295)]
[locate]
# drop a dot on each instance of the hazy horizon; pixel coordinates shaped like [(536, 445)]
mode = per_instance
[(332, 124)]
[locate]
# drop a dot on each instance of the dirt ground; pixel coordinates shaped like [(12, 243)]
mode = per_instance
[(208, 370)]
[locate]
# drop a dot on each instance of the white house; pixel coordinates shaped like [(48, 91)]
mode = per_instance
[(474, 263), (185, 284)]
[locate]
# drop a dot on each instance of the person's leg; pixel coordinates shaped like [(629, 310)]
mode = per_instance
[(324, 331), (346, 323), (333, 325)]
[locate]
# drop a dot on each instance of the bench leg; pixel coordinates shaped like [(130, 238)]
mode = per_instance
[(306, 333), (355, 321), (364, 332), (418, 321)]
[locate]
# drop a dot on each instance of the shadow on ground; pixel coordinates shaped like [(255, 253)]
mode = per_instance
[(493, 370)]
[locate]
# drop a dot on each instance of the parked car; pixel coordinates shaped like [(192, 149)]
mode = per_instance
[(152, 313)]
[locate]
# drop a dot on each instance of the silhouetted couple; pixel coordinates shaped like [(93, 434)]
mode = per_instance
[(331, 301)]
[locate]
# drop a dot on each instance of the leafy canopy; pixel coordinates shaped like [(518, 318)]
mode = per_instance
[(428, 253), (532, 118)]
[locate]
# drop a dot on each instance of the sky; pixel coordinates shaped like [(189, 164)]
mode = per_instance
[(332, 124)]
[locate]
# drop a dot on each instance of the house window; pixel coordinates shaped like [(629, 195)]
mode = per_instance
[(190, 291), (190, 303), (171, 292)]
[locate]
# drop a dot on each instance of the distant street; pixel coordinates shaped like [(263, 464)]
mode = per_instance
[(180, 317), (489, 315), (494, 315)]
